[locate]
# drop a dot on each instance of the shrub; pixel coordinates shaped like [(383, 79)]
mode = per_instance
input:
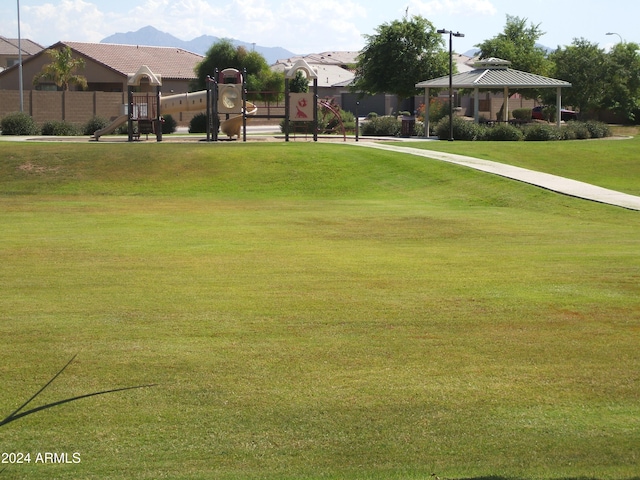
[(198, 123), (521, 114), (438, 110), (124, 128), (59, 128), (418, 129), (503, 132), (574, 131), (348, 120), (462, 129), (541, 132), (598, 129), (93, 125), (169, 125), (18, 123), (386, 126)]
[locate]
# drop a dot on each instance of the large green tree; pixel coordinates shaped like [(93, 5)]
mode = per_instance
[(584, 65), (401, 54), (600, 81), (62, 69), (518, 44), (223, 54), (622, 88)]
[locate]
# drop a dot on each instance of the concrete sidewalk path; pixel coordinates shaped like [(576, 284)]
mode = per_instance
[(555, 183)]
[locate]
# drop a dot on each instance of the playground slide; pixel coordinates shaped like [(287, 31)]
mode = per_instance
[(111, 127), (233, 126)]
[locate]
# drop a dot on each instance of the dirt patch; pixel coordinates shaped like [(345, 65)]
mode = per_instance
[(40, 169)]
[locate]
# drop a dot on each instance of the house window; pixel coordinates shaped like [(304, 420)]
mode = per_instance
[(47, 87)]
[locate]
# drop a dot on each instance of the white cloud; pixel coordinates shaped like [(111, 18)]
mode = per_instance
[(68, 20), (454, 7), (298, 26)]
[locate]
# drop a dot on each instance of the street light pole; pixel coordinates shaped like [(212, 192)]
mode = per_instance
[(20, 62), (451, 35), (614, 33)]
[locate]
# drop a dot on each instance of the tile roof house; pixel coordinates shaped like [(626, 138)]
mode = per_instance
[(9, 53), (108, 65), (334, 69)]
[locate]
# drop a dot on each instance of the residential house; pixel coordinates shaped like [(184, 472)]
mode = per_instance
[(106, 69), (10, 49)]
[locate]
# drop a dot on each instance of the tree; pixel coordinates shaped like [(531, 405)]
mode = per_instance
[(518, 44), (299, 83), (62, 69), (223, 55), (622, 86), (401, 54), (584, 65)]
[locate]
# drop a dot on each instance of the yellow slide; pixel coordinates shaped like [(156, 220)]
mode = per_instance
[(233, 126), (111, 127)]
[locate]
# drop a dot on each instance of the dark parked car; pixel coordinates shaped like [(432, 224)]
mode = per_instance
[(565, 115)]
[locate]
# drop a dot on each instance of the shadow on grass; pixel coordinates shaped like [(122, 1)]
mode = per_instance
[(18, 413)]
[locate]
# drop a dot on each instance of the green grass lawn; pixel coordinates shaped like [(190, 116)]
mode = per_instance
[(313, 311), (611, 163)]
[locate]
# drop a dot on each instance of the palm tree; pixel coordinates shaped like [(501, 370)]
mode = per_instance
[(62, 69)]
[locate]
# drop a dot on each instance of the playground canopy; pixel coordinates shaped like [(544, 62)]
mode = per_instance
[(493, 74)]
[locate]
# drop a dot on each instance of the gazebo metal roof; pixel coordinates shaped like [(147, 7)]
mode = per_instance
[(494, 73)]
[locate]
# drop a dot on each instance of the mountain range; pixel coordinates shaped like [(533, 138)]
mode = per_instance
[(153, 37)]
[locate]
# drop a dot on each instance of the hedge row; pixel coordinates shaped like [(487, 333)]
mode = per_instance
[(466, 130), (391, 126), (22, 124)]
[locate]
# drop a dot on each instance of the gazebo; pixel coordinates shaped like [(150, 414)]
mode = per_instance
[(493, 74)]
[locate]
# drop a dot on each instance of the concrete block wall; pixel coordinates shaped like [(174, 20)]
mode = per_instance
[(73, 107)]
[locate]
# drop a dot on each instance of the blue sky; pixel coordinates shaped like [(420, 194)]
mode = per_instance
[(306, 27)]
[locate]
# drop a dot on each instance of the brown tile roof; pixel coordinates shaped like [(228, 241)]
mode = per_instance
[(169, 62), (9, 46)]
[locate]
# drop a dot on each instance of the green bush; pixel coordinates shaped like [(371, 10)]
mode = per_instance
[(462, 129), (503, 132), (521, 113), (93, 125), (418, 129), (385, 126), (598, 129), (18, 123), (540, 132), (198, 123), (574, 131), (438, 110), (59, 128), (169, 125)]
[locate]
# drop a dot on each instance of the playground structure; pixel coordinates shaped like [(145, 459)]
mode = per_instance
[(225, 96), (147, 107)]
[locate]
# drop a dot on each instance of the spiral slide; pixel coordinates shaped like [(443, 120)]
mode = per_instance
[(186, 102)]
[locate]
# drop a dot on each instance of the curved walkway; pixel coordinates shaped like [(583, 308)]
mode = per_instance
[(555, 183)]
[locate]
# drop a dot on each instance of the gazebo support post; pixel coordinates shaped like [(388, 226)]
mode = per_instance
[(476, 105), (558, 106), (505, 106), (427, 111)]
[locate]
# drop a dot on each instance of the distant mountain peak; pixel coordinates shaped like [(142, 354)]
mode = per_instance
[(151, 36)]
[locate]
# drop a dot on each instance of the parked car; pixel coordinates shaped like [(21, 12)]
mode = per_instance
[(565, 115)]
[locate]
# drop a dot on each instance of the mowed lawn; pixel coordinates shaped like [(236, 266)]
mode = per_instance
[(312, 311)]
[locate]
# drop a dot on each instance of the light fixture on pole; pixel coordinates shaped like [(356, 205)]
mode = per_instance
[(451, 35), (614, 33), (20, 62)]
